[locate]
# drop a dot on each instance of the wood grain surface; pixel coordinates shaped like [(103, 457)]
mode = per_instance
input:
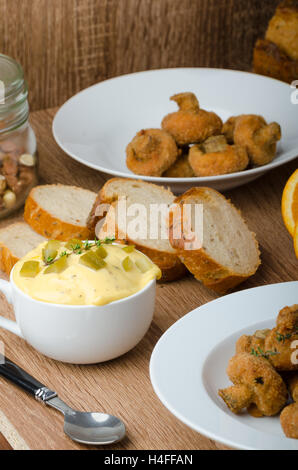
[(122, 386), (67, 45), (4, 444)]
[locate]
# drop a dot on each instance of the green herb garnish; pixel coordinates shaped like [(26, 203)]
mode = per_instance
[(77, 247), (282, 338), (87, 245), (108, 240), (58, 266), (260, 353)]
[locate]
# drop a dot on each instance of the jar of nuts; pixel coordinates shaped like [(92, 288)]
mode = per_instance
[(18, 155)]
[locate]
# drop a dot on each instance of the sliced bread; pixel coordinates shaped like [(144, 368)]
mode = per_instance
[(15, 241), (59, 212), (135, 191), (229, 252)]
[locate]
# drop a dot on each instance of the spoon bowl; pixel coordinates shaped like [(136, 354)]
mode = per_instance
[(93, 428), (89, 428)]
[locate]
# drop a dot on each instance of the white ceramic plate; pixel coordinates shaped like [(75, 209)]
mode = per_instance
[(189, 362), (95, 126)]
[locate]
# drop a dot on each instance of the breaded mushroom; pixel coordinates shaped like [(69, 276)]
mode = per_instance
[(293, 386), (252, 343), (228, 129), (289, 415), (255, 382), (253, 133), (191, 124), (181, 168), (151, 152), (288, 318), (289, 420), (281, 339), (216, 157)]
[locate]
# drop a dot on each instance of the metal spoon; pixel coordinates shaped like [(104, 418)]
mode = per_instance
[(87, 428)]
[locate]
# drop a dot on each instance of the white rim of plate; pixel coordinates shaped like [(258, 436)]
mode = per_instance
[(207, 179), (242, 431)]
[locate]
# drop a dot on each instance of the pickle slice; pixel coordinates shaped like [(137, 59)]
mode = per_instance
[(50, 251), (30, 269), (108, 241), (58, 266), (128, 248), (143, 265), (74, 244), (92, 260), (101, 251), (127, 264)]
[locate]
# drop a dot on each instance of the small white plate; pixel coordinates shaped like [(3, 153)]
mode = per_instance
[(95, 126), (188, 366)]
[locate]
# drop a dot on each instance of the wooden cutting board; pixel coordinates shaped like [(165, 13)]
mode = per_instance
[(122, 386)]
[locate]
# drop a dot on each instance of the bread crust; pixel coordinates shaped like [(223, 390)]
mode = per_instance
[(205, 269), (171, 266), (7, 259), (270, 60), (103, 198), (283, 28), (49, 226)]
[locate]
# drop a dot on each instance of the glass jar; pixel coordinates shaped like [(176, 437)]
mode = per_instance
[(18, 155)]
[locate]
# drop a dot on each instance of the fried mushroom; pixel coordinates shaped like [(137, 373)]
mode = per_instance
[(228, 129), (281, 339), (216, 157), (255, 383), (151, 152), (251, 343), (293, 386), (289, 420), (181, 168), (289, 415), (252, 132), (191, 124)]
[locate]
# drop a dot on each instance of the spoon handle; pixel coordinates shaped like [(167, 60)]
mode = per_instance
[(20, 377)]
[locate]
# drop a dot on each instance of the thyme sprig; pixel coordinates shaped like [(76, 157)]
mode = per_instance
[(260, 353), (282, 338), (79, 248)]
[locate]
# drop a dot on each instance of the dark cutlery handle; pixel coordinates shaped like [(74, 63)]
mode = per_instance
[(19, 377)]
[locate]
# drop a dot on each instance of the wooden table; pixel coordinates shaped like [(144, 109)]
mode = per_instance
[(122, 386)]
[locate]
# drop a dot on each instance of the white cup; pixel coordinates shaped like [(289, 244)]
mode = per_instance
[(80, 334)]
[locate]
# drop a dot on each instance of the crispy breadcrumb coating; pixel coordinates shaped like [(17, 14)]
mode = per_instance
[(191, 124), (151, 152)]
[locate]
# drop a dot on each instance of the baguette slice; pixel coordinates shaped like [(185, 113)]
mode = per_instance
[(270, 60), (135, 191), (59, 212), (229, 252), (16, 240)]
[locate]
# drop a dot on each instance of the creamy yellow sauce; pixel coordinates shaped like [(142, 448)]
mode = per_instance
[(82, 285)]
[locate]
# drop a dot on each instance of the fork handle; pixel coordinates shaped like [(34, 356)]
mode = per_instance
[(20, 377)]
